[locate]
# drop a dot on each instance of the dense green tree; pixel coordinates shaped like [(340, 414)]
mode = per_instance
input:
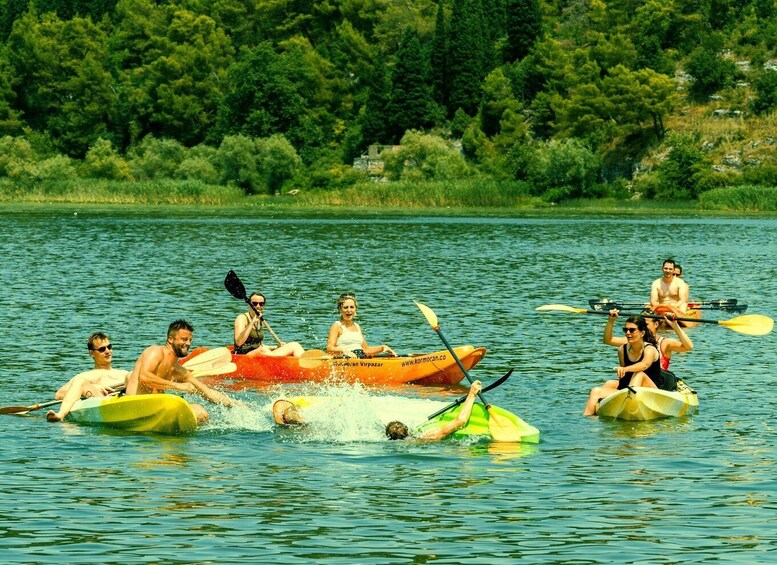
[(439, 57), (172, 68), (63, 88), (277, 162), (10, 11), (466, 54), (497, 99), (10, 117), (375, 119), (412, 104), (524, 25), (102, 161), (710, 71), (67, 9), (765, 87)]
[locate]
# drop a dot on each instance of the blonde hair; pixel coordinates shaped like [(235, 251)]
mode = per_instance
[(346, 296)]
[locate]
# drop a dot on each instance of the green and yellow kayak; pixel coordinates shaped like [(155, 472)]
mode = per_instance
[(160, 413), (643, 403), (478, 423)]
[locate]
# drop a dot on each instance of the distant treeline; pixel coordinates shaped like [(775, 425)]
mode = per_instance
[(562, 98)]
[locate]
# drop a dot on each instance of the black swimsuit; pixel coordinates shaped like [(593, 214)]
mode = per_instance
[(253, 341), (654, 371)]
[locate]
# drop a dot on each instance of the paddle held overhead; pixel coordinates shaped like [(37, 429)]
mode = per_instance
[(751, 324)]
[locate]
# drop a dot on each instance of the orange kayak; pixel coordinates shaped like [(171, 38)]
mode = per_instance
[(665, 309), (438, 368)]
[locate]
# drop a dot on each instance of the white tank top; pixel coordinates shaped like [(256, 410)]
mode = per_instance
[(348, 340)]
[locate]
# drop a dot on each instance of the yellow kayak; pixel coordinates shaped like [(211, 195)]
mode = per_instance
[(160, 413), (648, 403)]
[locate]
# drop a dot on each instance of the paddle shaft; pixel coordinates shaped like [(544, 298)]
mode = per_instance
[(458, 401), (237, 289), (24, 409), (654, 316), (458, 362)]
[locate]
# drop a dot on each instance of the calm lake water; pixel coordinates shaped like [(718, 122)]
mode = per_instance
[(700, 489)]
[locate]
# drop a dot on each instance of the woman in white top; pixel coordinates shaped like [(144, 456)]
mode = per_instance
[(345, 335)]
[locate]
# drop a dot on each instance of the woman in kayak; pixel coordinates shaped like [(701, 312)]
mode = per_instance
[(345, 335), (249, 338), (666, 345), (639, 358)]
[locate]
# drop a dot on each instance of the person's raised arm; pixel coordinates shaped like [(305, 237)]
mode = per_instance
[(461, 418), (685, 343), (607, 337), (243, 325)]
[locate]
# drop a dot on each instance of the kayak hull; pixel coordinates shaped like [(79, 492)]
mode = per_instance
[(159, 413), (438, 368), (648, 404), (478, 423)]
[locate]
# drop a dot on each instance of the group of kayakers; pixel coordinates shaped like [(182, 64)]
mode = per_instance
[(345, 335), (643, 355)]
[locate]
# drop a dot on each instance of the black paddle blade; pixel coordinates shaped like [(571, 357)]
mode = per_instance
[(458, 401), (235, 286)]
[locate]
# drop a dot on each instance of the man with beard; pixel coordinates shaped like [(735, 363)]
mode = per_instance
[(157, 370)]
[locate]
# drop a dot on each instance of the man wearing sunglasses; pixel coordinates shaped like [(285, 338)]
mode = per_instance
[(158, 369), (100, 381)]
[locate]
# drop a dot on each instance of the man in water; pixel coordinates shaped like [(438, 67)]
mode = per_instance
[(157, 370), (100, 381), (398, 430), (286, 413), (669, 290)]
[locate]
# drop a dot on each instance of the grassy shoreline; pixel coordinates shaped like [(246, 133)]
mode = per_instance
[(447, 199)]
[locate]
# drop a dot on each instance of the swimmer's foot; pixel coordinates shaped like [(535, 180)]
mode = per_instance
[(52, 416)]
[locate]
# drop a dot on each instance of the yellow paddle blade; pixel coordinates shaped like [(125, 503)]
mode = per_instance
[(428, 313), (502, 429), (751, 324), (561, 308), (313, 358)]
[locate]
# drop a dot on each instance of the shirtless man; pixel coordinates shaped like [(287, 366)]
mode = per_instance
[(669, 290), (157, 369), (100, 381)]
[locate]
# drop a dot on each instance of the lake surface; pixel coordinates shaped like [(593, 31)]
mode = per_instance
[(700, 489)]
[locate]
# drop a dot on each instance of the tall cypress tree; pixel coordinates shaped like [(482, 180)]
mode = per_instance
[(524, 24), (466, 56), (374, 121), (412, 102), (438, 58)]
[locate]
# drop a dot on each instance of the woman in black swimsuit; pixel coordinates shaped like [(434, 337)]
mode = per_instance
[(640, 362)]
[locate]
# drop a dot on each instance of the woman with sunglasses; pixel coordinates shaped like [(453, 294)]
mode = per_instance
[(640, 361), (249, 337), (665, 345), (346, 337)]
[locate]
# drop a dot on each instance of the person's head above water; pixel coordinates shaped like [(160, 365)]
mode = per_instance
[(397, 430)]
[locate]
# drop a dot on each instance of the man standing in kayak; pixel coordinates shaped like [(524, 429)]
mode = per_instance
[(669, 291), (100, 381), (157, 370)]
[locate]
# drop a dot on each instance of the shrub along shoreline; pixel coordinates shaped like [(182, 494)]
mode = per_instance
[(441, 195)]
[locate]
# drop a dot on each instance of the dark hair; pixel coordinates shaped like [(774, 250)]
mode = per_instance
[(678, 267), (641, 324), (670, 260), (94, 337), (397, 430), (179, 325), (257, 294)]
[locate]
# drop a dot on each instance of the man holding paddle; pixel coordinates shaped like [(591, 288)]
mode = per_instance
[(157, 370), (100, 381), (669, 291)]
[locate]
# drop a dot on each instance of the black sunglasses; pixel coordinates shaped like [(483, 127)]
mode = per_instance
[(630, 330), (103, 349), (257, 303)]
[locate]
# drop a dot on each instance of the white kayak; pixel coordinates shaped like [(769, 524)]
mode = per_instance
[(641, 403)]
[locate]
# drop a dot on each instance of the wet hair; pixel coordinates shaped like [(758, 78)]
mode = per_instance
[(179, 325), (642, 326), (397, 430), (292, 417), (670, 260), (94, 337), (346, 296)]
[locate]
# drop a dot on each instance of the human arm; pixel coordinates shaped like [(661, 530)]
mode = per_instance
[(461, 418), (212, 395), (608, 337), (149, 365), (654, 299), (650, 356), (684, 344), (373, 350)]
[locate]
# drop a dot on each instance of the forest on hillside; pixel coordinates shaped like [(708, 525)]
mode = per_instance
[(573, 98)]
